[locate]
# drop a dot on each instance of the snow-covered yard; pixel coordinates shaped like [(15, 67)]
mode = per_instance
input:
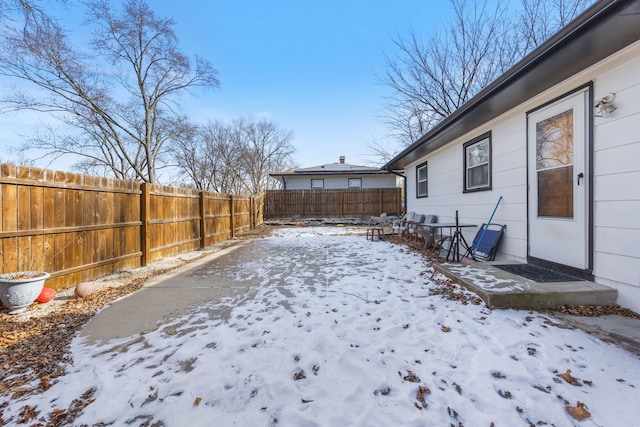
[(335, 330)]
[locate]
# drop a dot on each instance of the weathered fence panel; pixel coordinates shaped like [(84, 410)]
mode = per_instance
[(79, 228), (346, 203)]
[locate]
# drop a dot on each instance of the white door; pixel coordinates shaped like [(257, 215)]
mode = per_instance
[(558, 181)]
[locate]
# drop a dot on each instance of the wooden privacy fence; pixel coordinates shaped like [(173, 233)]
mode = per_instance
[(344, 203), (80, 228)]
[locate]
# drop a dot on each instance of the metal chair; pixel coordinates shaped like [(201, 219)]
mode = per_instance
[(400, 225), (485, 244), (377, 225), (425, 232)]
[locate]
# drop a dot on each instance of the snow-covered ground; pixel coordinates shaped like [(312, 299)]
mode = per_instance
[(342, 331)]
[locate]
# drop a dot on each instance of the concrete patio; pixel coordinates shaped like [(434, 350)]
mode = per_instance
[(501, 289)]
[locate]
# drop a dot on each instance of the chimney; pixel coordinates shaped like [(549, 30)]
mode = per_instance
[(342, 160)]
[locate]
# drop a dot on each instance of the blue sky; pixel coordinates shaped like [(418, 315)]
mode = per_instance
[(309, 66)]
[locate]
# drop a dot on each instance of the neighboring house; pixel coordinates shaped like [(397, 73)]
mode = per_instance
[(558, 136), (335, 176)]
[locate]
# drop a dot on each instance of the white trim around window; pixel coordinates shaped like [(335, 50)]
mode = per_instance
[(355, 182), (477, 164), (317, 184), (422, 187)]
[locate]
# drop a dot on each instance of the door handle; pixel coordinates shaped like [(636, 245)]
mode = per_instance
[(580, 176)]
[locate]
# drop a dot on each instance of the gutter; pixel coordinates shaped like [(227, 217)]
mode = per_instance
[(404, 187)]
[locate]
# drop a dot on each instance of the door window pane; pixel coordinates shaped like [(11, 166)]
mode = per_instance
[(554, 165), (555, 192), (554, 141)]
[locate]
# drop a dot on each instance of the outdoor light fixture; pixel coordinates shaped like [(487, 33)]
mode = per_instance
[(604, 106)]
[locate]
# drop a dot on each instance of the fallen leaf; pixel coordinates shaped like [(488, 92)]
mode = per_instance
[(546, 389), (411, 377), (306, 401), (422, 390), (45, 382), (299, 375), (296, 358), (446, 329), (458, 388), (383, 391), (570, 379), (452, 413), (578, 412), (27, 413), (197, 401), (505, 394)]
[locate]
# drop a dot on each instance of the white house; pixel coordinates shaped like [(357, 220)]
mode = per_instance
[(558, 137), (335, 176)]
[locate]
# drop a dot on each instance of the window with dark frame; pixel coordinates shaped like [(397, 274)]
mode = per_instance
[(355, 182), (422, 188), (477, 164), (317, 184)]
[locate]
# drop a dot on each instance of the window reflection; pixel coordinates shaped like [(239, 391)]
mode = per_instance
[(554, 165)]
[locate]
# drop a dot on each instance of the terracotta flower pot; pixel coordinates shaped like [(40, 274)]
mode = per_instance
[(18, 290)]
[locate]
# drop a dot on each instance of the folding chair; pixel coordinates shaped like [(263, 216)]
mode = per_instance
[(426, 232), (399, 225), (412, 226), (485, 244), (377, 225)]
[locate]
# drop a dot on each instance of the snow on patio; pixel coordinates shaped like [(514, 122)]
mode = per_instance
[(343, 331)]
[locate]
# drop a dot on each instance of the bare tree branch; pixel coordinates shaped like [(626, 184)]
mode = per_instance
[(428, 80), (124, 114)]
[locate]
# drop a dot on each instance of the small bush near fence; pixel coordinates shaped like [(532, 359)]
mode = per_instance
[(79, 227)]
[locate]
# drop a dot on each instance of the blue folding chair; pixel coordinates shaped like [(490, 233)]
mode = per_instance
[(485, 244)]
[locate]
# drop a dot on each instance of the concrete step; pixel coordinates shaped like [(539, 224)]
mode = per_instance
[(501, 289)]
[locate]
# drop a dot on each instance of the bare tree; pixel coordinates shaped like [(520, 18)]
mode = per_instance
[(430, 79), (266, 147), (235, 157), (123, 105)]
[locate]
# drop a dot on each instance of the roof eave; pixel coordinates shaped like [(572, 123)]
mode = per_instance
[(328, 172)]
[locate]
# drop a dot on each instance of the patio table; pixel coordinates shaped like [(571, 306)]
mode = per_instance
[(455, 235)]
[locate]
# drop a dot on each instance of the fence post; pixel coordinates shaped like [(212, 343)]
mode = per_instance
[(252, 214), (203, 224), (145, 213), (232, 222)]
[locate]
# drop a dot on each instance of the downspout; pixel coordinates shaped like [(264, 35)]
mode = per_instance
[(404, 187), (284, 183)]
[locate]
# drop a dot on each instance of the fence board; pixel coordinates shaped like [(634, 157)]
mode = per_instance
[(341, 203)]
